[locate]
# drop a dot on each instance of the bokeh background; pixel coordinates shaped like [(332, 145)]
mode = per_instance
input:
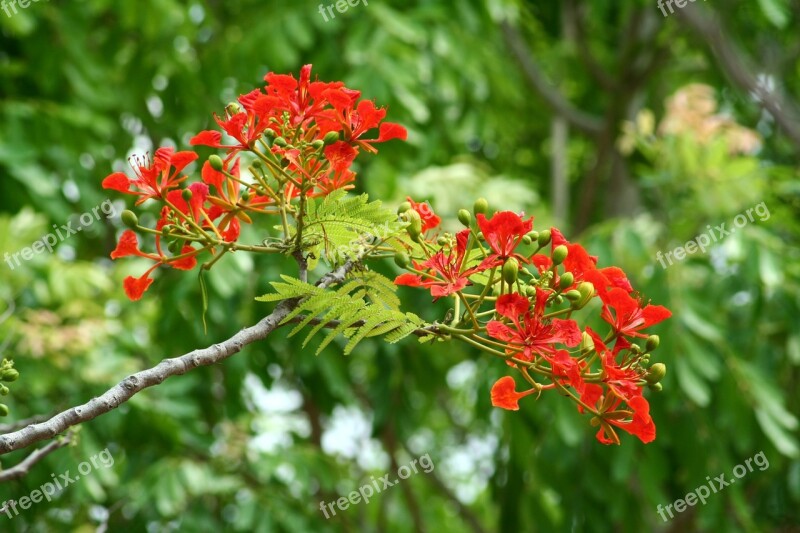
[(630, 130)]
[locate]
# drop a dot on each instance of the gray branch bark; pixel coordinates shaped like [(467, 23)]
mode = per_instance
[(167, 368), (24, 467)]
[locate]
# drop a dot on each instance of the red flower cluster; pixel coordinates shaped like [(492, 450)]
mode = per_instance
[(532, 295), (304, 135)]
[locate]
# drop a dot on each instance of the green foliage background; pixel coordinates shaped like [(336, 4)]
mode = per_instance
[(85, 84)]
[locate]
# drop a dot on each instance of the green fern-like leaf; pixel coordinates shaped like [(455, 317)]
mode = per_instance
[(365, 305), (342, 227)]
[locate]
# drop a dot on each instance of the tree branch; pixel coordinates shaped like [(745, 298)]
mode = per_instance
[(737, 66), (135, 383), (583, 121), (22, 468)]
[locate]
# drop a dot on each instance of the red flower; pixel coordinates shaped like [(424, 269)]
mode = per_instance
[(503, 233), (629, 317), (446, 276), (357, 121), (429, 219), (636, 422), (153, 178), (129, 245), (505, 396), (135, 287), (536, 335), (244, 126), (584, 266)]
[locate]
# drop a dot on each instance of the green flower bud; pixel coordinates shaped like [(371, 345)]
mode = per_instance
[(587, 293), (415, 228), (405, 206), (558, 300), (526, 240), (233, 108), (129, 218), (567, 279), (510, 270), (402, 259), (559, 254), (573, 295), (533, 235), (656, 373), (246, 195), (587, 343), (464, 217), (270, 134), (652, 343), (658, 387), (215, 162), (330, 137), (442, 240), (186, 194), (3, 409), (280, 141), (544, 238), (3, 390), (9, 375), (530, 291), (481, 206), (175, 246), (480, 236), (319, 143)]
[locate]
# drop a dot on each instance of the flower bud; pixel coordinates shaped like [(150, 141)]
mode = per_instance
[(510, 270), (587, 293), (415, 228), (481, 206), (233, 108), (9, 374), (3, 390), (652, 343), (526, 239), (587, 342), (280, 141), (215, 162), (319, 143), (402, 259), (330, 137), (530, 291), (658, 387), (559, 254), (442, 240), (533, 235), (270, 134), (464, 217), (405, 206), (3, 409), (656, 373), (567, 279), (480, 236), (573, 295), (544, 238), (186, 194), (129, 218), (175, 246)]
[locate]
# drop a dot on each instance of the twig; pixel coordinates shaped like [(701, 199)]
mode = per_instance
[(135, 383), (583, 121), (22, 468), (737, 66)]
